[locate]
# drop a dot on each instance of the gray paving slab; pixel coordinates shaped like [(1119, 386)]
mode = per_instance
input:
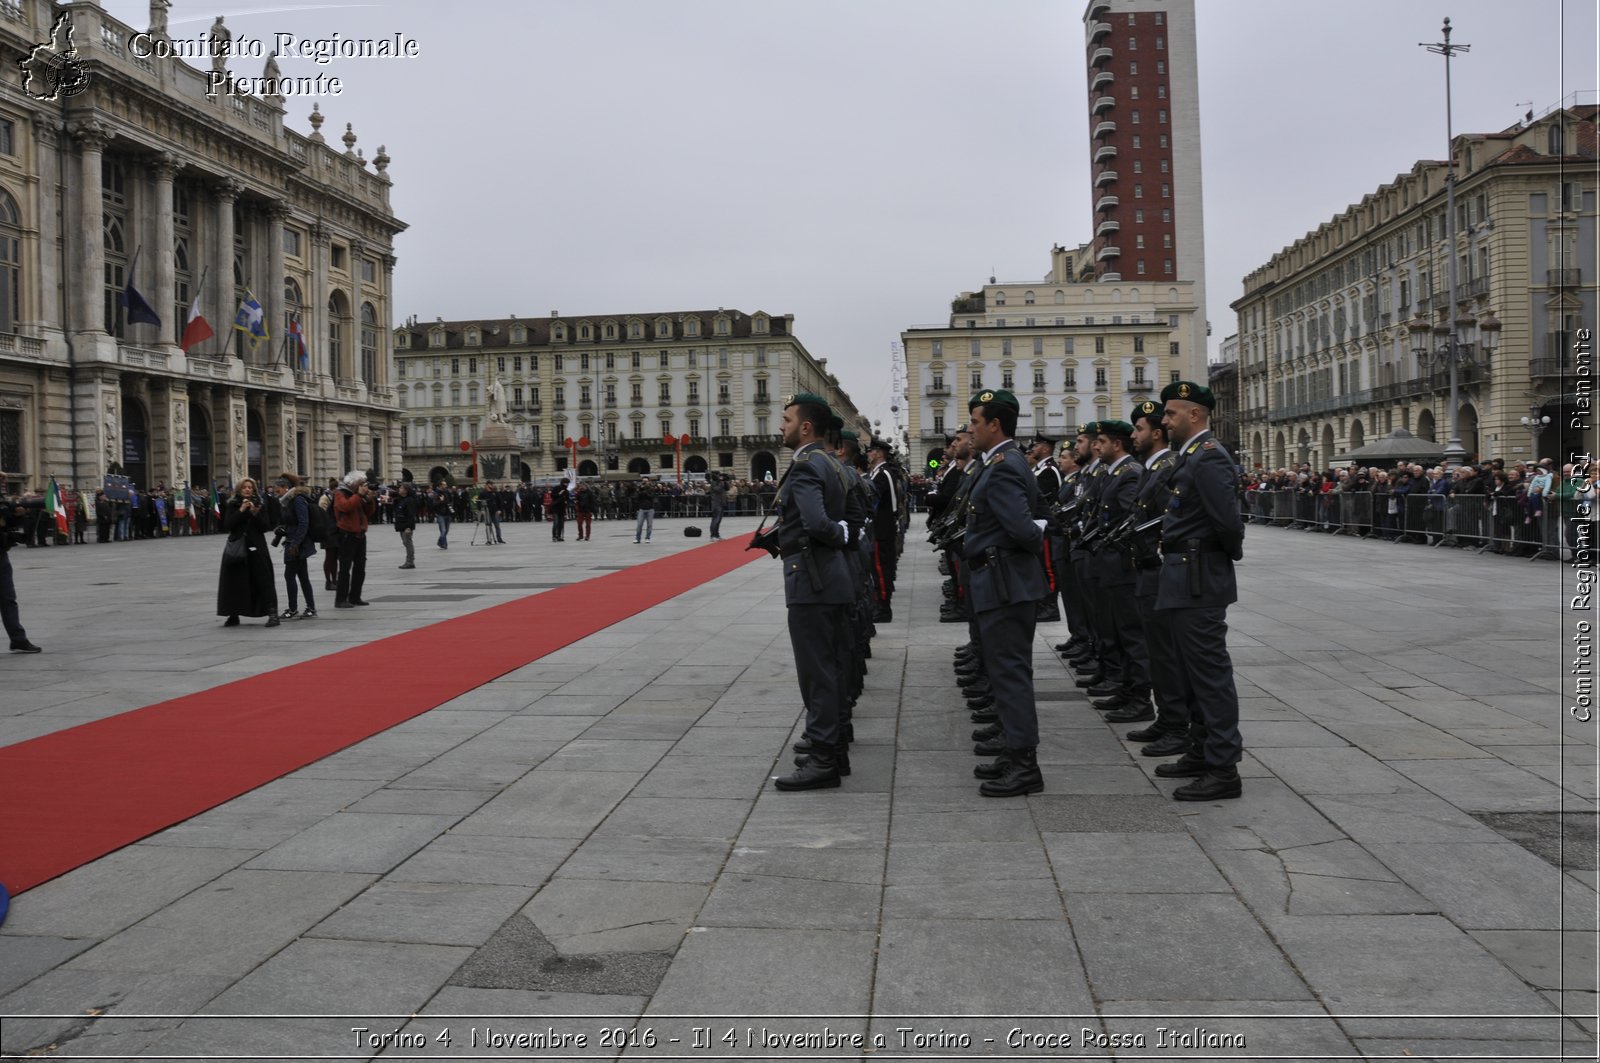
[(25, 958), (1115, 934), (93, 1012), (1344, 770), (555, 804), (745, 900), (1490, 786), (1132, 863), (519, 957), (916, 957), (485, 858), (226, 927), (374, 842), (1421, 969), (825, 973), (631, 858), (428, 913), (1496, 886), (584, 916), (98, 899)]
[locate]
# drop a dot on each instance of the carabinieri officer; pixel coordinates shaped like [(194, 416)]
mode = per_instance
[(1202, 535), (1006, 580)]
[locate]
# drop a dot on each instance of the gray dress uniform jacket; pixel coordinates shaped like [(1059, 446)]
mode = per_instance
[(1002, 543), (810, 508), (1120, 488), (1202, 533)]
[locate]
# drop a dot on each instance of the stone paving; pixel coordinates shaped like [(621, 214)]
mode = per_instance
[(589, 847)]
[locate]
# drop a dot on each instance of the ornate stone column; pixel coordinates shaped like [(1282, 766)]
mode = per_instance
[(271, 295), (89, 242), (164, 167), (219, 286), (316, 328)]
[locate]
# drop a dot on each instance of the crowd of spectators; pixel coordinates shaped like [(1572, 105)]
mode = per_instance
[(1514, 508), (161, 511)]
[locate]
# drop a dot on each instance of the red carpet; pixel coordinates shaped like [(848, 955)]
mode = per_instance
[(70, 797)]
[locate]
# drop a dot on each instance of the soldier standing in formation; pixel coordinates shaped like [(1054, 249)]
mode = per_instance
[(1202, 535), (885, 526), (1042, 457), (1005, 581), (811, 539)]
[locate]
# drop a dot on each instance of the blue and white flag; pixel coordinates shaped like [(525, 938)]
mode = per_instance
[(251, 319)]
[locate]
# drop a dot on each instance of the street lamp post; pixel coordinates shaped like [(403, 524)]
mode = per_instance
[(1535, 423), (1454, 452)]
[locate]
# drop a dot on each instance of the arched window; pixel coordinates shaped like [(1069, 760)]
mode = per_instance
[(369, 345), (116, 258), (10, 263), (294, 326), (338, 331)]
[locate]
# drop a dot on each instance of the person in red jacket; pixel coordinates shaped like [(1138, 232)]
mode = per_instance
[(353, 507)]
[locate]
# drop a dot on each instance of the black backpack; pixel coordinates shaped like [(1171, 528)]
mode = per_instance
[(317, 522)]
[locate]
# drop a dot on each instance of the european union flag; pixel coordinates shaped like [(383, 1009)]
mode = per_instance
[(139, 309)]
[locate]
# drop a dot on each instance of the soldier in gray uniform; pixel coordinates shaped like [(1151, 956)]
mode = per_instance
[(810, 538), (1078, 643), (1202, 535), (1125, 663), (1168, 735), (1006, 579), (1042, 456)]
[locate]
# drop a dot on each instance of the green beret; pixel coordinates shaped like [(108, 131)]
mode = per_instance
[(1147, 410), (850, 434), (1189, 391), (838, 423), (1001, 398), (1091, 429), (807, 397), (1116, 428)]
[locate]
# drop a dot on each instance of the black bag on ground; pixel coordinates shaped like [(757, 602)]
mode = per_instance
[(692, 532)]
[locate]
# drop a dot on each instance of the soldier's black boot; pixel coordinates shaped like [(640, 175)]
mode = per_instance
[(991, 730), (819, 772), (1018, 778), (842, 755), (1217, 784), (990, 747), (992, 770)]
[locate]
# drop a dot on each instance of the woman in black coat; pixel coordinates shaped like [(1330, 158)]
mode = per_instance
[(247, 588)]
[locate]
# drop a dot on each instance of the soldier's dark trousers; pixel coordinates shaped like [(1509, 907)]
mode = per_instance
[(1006, 643), (815, 633), (1084, 588), (1201, 638), (1134, 676), (1166, 678)]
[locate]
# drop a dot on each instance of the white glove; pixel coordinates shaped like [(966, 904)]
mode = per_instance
[(1040, 524), (844, 529)]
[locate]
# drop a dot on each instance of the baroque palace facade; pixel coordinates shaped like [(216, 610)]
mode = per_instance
[(196, 194), (1343, 335), (713, 380), (1072, 350)]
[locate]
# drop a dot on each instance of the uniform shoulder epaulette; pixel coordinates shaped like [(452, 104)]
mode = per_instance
[(801, 459), (1209, 444)]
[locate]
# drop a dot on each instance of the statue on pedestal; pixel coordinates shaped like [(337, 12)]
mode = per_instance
[(497, 402)]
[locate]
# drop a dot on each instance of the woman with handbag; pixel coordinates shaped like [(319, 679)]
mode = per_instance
[(246, 586)]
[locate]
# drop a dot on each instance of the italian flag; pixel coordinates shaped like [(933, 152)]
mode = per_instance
[(195, 329), (216, 503), (54, 506)]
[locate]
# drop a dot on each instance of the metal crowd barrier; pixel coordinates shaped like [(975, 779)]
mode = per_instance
[(1477, 522)]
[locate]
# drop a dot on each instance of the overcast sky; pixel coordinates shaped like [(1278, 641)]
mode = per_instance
[(858, 162)]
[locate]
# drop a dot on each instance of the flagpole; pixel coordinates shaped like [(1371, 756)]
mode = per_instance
[(200, 288)]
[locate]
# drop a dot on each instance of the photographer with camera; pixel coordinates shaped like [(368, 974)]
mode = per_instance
[(11, 531)]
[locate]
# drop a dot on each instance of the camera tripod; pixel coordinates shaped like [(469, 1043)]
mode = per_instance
[(482, 523)]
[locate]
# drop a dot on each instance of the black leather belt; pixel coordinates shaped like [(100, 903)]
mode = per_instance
[(1146, 563)]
